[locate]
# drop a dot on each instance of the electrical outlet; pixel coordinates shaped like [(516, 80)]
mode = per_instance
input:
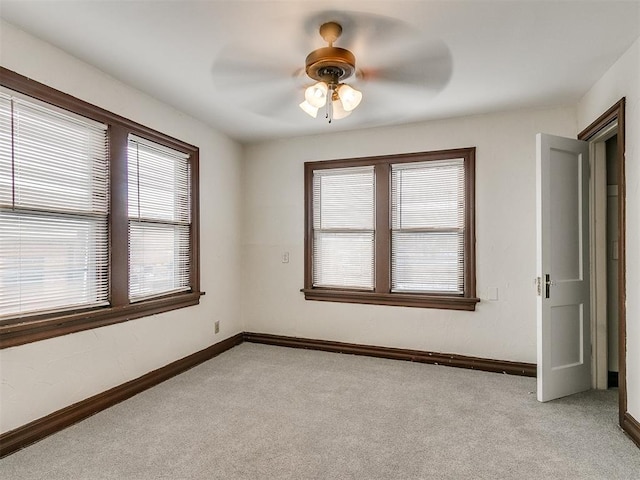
[(216, 326), (285, 257)]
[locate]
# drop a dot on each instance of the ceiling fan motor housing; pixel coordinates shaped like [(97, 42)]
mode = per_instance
[(330, 64)]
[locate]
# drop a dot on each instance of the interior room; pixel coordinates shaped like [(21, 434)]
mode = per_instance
[(262, 98)]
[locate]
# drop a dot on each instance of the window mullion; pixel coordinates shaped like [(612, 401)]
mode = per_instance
[(382, 228), (469, 233), (118, 219), (194, 232)]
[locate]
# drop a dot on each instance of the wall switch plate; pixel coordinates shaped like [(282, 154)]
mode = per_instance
[(492, 293), (216, 326)]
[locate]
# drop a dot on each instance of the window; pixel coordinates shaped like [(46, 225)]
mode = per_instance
[(343, 228), (392, 230), (158, 219), (54, 198), (98, 216), (427, 227)]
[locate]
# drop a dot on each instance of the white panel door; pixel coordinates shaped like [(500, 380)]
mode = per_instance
[(563, 313)]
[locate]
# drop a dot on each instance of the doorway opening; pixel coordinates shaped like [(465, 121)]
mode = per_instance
[(608, 327)]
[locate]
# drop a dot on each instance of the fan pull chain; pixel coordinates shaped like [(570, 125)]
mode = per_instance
[(329, 114)]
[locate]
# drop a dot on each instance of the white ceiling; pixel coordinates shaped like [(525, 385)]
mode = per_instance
[(223, 61)]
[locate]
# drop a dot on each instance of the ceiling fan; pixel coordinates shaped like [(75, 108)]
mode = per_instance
[(329, 66), (397, 70)]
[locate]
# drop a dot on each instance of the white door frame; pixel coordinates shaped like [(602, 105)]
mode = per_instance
[(599, 254)]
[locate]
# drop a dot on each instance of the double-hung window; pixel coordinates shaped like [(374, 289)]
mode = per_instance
[(159, 219), (343, 228), (54, 201), (392, 230), (427, 226), (98, 216)]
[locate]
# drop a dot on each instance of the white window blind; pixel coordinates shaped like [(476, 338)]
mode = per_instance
[(53, 208), (427, 222), (343, 228), (159, 219)]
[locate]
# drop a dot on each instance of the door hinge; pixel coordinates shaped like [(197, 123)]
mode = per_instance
[(547, 282)]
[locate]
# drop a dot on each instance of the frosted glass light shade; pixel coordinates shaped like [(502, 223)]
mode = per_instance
[(338, 111), (309, 109), (349, 97), (316, 95)]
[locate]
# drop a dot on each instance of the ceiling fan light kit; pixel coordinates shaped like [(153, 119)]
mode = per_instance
[(310, 109), (349, 96), (316, 94), (329, 66)]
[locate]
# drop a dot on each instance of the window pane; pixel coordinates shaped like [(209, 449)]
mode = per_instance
[(59, 161), (427, 262), (428, 219), (159, 256), (343, 198), (343, 260), (158, 182), (428, 194), (49, 262), (159, 220)]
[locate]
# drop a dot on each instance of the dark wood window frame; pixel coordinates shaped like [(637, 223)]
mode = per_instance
[(30, 328), (382, 295)]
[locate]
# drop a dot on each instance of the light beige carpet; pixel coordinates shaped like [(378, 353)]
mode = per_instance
[(263, 412)]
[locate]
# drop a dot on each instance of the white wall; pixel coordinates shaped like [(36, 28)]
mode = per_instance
[(623, 80), (42, 377), (506, 251)]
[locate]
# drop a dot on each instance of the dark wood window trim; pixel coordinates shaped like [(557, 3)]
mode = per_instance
[(382, 294), (25, 329)]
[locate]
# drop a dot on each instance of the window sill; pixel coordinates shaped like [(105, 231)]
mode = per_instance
[(20, 331), (394, 299)]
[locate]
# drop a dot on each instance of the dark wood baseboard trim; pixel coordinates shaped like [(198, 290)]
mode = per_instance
[(30, 433), (632, 427), (14, 440), (449, 359)]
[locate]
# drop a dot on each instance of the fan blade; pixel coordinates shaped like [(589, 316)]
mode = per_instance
[(234, 66), (268, 98), (422, 70), (257, 83), (399, 89)]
